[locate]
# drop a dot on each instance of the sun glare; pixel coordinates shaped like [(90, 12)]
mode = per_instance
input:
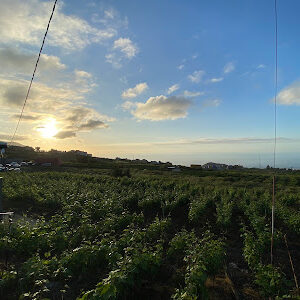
[(48, 129)]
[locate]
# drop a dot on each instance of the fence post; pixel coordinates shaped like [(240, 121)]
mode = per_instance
[(1, 185)]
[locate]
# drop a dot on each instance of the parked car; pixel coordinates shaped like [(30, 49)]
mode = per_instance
[(15, 164), (2, 169), (23, 163), (17, 170), (47, 164)]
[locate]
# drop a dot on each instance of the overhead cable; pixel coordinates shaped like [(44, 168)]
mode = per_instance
[(34, 71)]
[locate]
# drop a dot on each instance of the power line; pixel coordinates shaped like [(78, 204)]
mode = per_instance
[(35, 68), (275, 126), (276, 84)]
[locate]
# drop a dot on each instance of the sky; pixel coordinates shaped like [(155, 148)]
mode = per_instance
[(172, 80)]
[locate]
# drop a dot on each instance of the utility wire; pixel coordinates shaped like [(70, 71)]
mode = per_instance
[(35, 68), (276, 84), (275, 126)]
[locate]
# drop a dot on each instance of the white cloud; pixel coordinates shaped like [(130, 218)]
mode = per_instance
[(229, 67), (82, 74), (127, 105), (190, 94), (211, 103), (214, 80), (124, 79), (196, 77), (82, 81), (290, 95), (126, 46), (110, 13), (172, 89), (110, 17), (134, 92), (161, 108), (113, 59), (261, 66), (180, 67), (50, 62), (25, 22)]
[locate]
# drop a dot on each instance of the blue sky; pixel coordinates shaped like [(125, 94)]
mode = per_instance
[(185, 81)]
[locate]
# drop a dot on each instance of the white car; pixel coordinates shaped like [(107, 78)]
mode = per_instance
[(15, 164)]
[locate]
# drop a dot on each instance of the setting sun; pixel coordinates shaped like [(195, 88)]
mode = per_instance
[(48, 130)]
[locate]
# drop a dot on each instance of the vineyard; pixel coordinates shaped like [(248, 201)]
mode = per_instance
[(149, 236)]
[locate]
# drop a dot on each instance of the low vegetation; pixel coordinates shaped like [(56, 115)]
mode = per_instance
[(146, 235)]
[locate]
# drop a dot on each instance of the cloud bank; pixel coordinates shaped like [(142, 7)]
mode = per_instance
[(14, 60), (25, 22), (160, 108)]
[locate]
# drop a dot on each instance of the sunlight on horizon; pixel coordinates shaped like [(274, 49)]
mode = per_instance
[(48, 129)]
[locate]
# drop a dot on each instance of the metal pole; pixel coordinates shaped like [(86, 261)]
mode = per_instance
[(1, 184), (273, 217), (291, 262)]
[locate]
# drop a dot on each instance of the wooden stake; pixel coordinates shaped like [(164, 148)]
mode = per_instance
[(273, 216), (291, 262)]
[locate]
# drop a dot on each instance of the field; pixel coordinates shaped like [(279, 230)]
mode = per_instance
[(86, 234)]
